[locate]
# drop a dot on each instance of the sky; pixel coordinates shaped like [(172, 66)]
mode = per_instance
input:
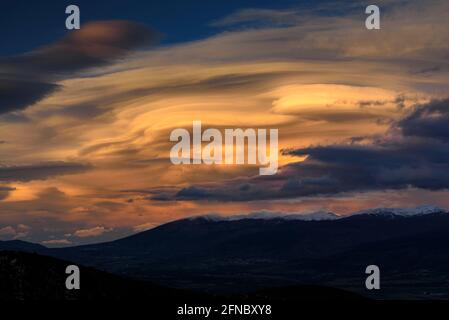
[(85, 116)]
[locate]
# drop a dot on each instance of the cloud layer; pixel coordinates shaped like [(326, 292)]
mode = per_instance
[(25, 79), (40, 171), (85, 121), (414, 154)]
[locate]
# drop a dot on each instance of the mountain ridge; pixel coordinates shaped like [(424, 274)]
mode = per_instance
[(324, 215), (234, 255), (261, 215)]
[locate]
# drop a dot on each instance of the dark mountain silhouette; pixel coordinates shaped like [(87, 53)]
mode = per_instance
[(29, 276), (216, 255), (22, 246)]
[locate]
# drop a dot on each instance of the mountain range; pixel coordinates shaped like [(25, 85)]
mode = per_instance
[(231, 255)]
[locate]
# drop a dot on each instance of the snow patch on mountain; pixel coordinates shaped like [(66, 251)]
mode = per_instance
[(269, 215), (403, 212), (323, 215)]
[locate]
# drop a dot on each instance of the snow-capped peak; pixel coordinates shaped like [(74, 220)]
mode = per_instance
[(322, 215), (269, 215), (404, 212)]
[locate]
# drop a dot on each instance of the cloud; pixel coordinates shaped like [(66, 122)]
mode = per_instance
[(56, 242), (320, 81), (18, 94), (428, 121), (40, 171), (260, 17), (396, 161), (76, 111), (144, 226), (27, 78), (95, 44), (7, 231), (4, 192), (10, 232), (192, 193), (92, 232)]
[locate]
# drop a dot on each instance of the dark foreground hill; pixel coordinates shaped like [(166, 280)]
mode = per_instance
[(29, 276)]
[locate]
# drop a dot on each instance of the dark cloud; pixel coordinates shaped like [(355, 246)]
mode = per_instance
[(260, 18), (192, 192), (4, 192), (400, 101), (78, 111), (95, 44), (415, 153), (335, 116), (14, 117), (370, 103), (104, 146), (40, 171), (429, 70), (217, 84), (429, 121), (17, 95)]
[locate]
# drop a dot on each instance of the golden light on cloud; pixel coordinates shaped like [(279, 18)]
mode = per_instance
[(297, 99), (317, 81)]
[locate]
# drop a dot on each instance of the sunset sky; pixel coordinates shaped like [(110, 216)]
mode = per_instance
[(85, 116)]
